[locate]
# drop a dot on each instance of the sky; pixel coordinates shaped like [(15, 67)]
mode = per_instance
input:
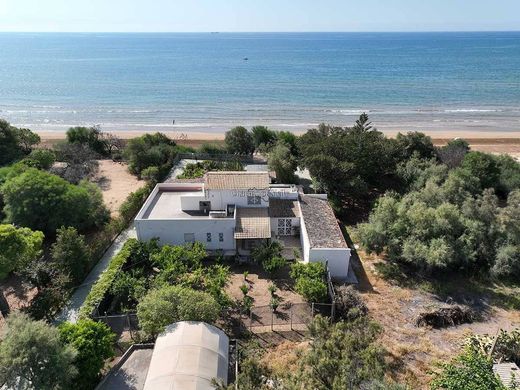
[(258, 15)]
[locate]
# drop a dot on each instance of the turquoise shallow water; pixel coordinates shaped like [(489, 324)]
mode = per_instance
[(405, 81)]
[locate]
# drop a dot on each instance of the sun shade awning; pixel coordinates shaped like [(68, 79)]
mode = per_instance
[(252, 223)]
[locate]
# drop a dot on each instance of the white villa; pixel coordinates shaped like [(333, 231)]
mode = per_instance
[(233, 212)]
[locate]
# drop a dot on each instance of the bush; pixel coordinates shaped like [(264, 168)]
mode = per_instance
[(349, 303), (94, 343), (170, 304), (212, 149), (310, 281), (151, 174), (41, 159), (239, 141), (133, 203), (311, 289), (274, 264), (99, 289), (266, 251)]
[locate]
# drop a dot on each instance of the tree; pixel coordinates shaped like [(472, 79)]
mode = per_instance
[(10, 149), (453, 152), (346, 161), (27, 139), (343, 355), (70, 254), (283, 163), (32, 356), (94, 343), (42, 201), (509, 174), (262, 136), (310, 281), (80, 162), (170, 304), (471, 370), (239, 141), (414, 143), (483, 167), (149, 150), (18, 247)]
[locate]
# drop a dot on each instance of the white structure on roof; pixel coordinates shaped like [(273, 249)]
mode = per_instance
[(188, 356), (235, 211)]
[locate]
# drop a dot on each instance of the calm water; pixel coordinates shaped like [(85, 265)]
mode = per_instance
[(290, 81)]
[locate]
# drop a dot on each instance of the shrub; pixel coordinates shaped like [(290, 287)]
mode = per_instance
[(149, 150), (239, 141), (310, 281), (133, 203), (274, 264), (170, 304), (151, 174), (266, 251), (94, 343), (40, 158), (311, 289), (212, 149), (349, 303)]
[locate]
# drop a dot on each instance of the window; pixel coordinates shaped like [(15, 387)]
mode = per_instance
[(254, 200), (284, 226), (221, 237), (189, 237), (208, 237)]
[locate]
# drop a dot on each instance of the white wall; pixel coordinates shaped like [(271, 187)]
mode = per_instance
[(221, 198), (172, 231), (338, 259)]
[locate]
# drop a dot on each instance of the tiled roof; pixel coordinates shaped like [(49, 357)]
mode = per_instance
[(283, 208), (236, 180), (252, 222), (321, 224)]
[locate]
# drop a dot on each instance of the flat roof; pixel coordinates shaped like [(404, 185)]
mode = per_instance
[(236, 180), (252, 222), (321, 224), (507, 372), (131, 374), (167, 205)]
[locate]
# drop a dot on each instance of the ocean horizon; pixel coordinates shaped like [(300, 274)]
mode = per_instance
[(209, 82)]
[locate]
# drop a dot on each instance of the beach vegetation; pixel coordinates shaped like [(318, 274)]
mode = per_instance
[(45, 202), (212, 148), (263, 137), (94, 343), (32, 355), (40, 159), (79, 162), (239, 141)]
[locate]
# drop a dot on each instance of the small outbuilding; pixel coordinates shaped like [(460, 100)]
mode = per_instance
[(188, 356)]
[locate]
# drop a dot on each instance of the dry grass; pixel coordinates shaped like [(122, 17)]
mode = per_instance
[(415, 351)]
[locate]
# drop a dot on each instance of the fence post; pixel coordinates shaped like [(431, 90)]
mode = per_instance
[(250, 318), (272, 319), (312, 307), (290, 315)]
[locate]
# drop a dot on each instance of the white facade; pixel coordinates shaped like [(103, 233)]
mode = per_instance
[(177, 213)]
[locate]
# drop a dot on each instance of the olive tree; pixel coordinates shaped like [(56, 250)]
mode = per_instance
[(32, 356)]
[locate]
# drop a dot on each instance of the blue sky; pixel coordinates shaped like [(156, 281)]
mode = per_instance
[(259, 15)]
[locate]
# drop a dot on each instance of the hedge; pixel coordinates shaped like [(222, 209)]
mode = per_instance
[(106, 279)]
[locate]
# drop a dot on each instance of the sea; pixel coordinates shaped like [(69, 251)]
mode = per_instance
[(210, 82)]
